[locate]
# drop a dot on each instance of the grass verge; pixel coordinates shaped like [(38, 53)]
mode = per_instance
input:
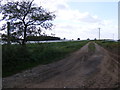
[(111, 46), (91, 48), (16, 58)]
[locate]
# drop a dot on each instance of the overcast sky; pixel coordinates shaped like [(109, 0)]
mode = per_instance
[(81, 19)]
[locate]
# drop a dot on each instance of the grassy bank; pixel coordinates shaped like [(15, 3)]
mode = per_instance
[(16, 58), (111, 46)]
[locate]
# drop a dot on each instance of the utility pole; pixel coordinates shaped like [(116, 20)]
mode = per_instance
[(99, 33), (8, 32), (113, 36)]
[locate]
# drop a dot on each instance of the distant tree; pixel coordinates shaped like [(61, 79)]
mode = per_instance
[(27, 18), (88, 39), (118, 40), (64, 38), (95, 39), (78, 39)]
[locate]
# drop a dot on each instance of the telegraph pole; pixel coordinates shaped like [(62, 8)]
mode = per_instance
[(113, 36), (99, 33)]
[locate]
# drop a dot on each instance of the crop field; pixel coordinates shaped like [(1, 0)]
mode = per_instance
[(16, 58)]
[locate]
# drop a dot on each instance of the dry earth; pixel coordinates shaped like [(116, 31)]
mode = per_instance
[(81, 69)]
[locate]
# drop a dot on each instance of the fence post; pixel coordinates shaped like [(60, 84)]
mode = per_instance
[(8, 32)]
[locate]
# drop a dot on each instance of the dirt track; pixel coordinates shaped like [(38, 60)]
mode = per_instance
[(81, 69)]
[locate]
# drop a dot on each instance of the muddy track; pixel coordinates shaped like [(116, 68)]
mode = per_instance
[(81, 69)]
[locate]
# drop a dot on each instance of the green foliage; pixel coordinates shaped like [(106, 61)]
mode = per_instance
[(17, 58), (26, 17), (41, 38)]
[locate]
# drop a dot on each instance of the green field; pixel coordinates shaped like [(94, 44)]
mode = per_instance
[(16, 58)]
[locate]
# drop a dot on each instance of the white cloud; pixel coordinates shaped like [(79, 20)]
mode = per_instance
[(73, 24), (75, 15), (52, 4)]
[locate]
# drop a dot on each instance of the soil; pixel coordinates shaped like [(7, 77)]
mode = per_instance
[(81, 69)]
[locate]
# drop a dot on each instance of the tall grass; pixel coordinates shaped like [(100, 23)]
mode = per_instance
[(16, 58)]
